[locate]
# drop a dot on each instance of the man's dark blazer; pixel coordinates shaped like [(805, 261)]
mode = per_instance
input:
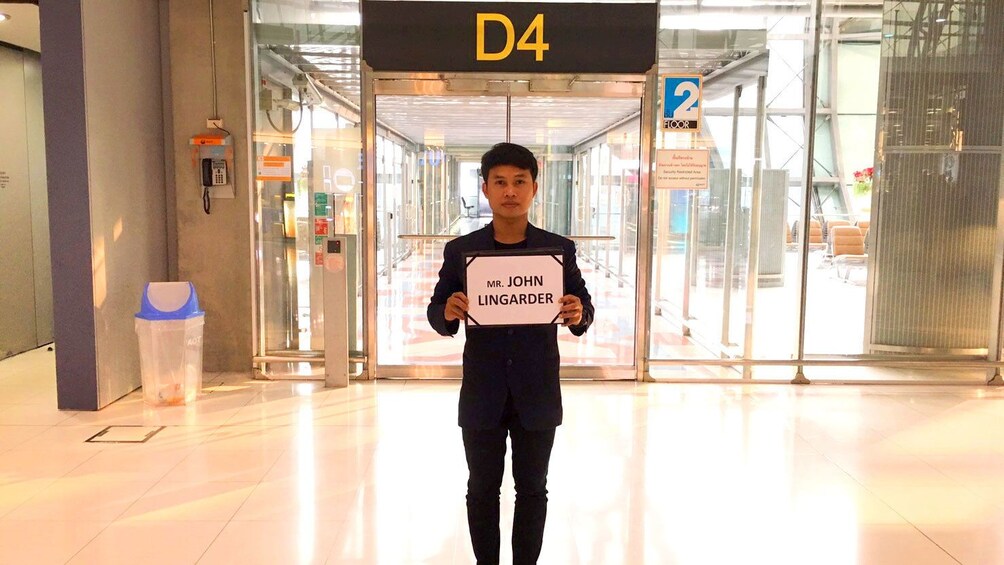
[(522, 359)]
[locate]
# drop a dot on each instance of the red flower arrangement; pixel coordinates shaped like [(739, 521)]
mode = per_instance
[(863, 180)]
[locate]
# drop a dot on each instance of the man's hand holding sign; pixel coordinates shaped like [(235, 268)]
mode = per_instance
[(515, 287), (571, 310), (570, 313)]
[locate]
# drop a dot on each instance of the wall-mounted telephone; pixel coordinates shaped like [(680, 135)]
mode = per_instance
[(215, 155), (214, 172)]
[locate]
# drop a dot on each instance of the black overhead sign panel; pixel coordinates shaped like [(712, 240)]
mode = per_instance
[(539, 37)]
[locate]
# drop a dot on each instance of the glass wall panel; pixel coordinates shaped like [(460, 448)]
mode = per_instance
[(606, 192), (758, 318), (449, 135), (701, 246), (315, 128), (838, 266), (910, 277), (427, 185), (905, 183)]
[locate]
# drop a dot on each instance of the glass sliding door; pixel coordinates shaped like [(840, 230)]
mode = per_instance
[(420, 195), (441, 139), (319, 139), (703, 239), (604, 204)]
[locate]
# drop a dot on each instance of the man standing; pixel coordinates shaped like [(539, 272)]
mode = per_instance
[(510, 386)]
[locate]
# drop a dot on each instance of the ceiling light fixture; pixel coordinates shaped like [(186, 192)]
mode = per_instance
[(4, 17)]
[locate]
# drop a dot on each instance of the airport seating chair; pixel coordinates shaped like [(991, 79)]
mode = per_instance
[(468, 208), (863, 226), (816, 234), (830, 224), (847, 248)]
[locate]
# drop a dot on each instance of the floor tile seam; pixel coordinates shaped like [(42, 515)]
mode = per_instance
[(231, 519), (191, 451), (914, 526), (141, 495), (84, 546), (17, 506), (281, 454), (77, 466), (885, 502), (955, 480), (135, 500), (42, 430), (67, 416), (187, 427), (931, 466), (110, 524), (215, 538), (237, 409)]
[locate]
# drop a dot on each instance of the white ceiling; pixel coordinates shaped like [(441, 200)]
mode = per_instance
[(481, 120), (22, 29)]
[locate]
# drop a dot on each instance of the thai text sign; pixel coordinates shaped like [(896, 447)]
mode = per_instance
[(682, 169)]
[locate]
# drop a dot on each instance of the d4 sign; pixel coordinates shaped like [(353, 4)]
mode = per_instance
[(535, 29)]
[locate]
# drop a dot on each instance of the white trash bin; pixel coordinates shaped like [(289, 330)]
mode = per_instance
[(169, 326)]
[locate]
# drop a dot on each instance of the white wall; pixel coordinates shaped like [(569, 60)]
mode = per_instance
[(41, 253), (17, 317), (125, 159), (25, 277)]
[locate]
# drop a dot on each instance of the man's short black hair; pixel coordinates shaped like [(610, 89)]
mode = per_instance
[(509, 154)]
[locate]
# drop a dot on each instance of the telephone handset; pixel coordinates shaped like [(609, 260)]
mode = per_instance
[(214, 172)]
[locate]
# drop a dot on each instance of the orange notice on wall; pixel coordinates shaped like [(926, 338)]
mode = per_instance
[(275, 167)]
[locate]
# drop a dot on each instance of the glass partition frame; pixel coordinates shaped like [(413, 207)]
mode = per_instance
[(413, 84), (804, 23)]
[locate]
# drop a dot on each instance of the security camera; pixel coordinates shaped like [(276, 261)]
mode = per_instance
[(309, 94)]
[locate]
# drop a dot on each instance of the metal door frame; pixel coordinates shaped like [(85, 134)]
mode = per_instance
[(375, 83)]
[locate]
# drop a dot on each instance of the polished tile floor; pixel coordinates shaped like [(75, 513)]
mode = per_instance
[(282, 472)]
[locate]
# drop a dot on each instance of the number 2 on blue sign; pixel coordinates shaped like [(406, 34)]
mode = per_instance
[(681, 105)]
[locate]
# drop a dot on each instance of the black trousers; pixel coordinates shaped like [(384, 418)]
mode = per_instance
[(531, 453)]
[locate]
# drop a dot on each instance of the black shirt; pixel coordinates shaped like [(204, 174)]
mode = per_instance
[(499, 246)]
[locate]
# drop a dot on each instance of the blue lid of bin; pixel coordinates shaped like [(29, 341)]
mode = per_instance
[(169, 301)]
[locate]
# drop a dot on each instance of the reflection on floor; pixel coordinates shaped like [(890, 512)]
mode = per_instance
[(280, 472)]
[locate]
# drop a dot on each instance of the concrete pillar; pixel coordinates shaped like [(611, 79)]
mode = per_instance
[(213, 250), (104, 144)]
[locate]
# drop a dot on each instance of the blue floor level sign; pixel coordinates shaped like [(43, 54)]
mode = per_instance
[(681, 105)]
